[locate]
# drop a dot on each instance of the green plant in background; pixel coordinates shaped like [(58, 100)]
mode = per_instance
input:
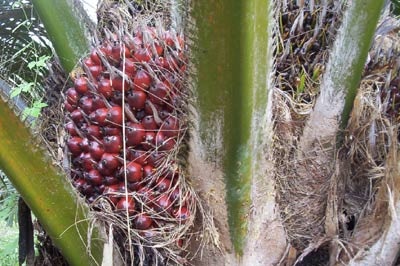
[(8, 245), (396, 7), (8, 219), (25, 54), (32, 90)]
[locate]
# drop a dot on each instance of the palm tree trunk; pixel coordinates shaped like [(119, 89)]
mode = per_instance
[(233, 58)]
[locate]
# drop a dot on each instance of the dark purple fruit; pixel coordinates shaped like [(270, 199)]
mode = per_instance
[(134, 172), (96, 150), (114, 116), (81, 85), (112, 144), (141, 81), (142, 221), (74, 145), (135, 134), (136, 99), (126, 204), (94, 177), (72, 96), (110, 161)]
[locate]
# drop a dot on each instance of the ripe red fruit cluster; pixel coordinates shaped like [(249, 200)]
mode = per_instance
[(130, 93)]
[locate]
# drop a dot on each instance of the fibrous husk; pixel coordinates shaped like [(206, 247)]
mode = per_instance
[(360, 183), (306, 34)]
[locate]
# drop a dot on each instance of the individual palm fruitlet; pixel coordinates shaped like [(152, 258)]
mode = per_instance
[(124, 118)]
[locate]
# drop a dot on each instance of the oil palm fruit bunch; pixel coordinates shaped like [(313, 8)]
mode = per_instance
[(125, 122)]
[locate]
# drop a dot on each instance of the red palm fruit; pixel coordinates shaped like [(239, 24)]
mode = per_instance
[(74, 145), (104, 171), (175, 195), (170, 127), (163, 114), (136, 99), (158, 94), (135, 134), (159, 49), (106, 49), (163, 203), (86, 104), (149, 123), (72, 96), (112, 144), (93, 177), (130, 68), (105, 88), (149, 110), (134, 172), (97, 102), (78, 183), (116, 97), (100, 189), (134, 186), (137, 156), (114, 115), (137, 42), (112, 193), (179, 243), (159, 140), (142, 80), (119, 51), (110, 161), (110, 180), (163, 185), (147, 196), (182, 213), (148, 171), (174, 102), (71, 129), (142, 55), (96, 71), (119, 84), (85, 145), (169, 39), (160, 62), (156, 158), (110, 131), (168, 144), (99, 116), (87, 189), (95, 57), (87, 162), (70, 108), (142, 221), (148, 142), (96, 150), (77, 116), (93, 132), (171, 63), (81, 85), (126, 204), (116, 52)]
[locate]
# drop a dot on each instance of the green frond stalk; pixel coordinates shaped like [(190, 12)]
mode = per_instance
[(231, 64), (46, 191), (345, 66), (64, 30)]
